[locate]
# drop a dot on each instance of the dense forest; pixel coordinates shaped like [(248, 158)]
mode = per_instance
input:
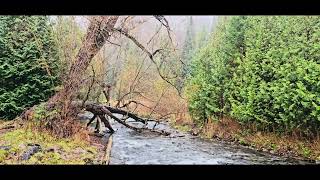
[(261, 70), (252, 81)]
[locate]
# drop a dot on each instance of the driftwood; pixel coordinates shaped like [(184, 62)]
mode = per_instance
[(106, 157)]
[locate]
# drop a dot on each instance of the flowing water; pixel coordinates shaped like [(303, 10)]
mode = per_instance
[(130, 147)]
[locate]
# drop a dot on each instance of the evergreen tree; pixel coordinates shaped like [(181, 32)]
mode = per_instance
[(278, 79), (28, 63), (212, 69), (262, 70), (188, 48)]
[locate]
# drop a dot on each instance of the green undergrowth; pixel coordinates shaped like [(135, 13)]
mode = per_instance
[(53, 150)]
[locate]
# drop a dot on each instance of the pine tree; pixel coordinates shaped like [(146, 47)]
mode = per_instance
[(28, 63)]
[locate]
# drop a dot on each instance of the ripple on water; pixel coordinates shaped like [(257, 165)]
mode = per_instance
[(131, 147)]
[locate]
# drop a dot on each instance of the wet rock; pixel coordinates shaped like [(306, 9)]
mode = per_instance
[(32, 149), (6, 148), (148, 145), (88, 161), (176, 135), (311, 161), (195, 132)]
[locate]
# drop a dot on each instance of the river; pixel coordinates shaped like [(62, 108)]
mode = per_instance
[(131, 147)]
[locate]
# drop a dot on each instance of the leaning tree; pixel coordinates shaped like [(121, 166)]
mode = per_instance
[(61, 110)]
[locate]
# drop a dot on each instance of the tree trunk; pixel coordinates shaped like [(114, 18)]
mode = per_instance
[(98, 32)]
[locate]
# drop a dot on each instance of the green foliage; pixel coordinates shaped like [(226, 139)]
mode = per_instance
[(68, 38), (28, 63), (3, 155), (278, 81), (211, 71), (67, 151), (262, 70)]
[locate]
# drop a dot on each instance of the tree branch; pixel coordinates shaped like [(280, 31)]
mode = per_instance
[(151, 55)]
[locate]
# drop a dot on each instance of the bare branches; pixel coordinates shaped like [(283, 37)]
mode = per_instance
[(151, 55), (135, 41), (98, 32), (154, 35), (156, 51), (162, 20), (135, 102), (113, 43), (162, 94), (165, 23), (128, 93)]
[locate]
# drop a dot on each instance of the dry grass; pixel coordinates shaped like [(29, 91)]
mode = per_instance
[(224, 129), (286, 145)]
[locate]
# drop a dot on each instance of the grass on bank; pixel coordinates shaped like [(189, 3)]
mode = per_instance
[(285, 145), (53, 150)]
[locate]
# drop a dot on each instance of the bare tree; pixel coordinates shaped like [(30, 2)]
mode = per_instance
[(100, 29)]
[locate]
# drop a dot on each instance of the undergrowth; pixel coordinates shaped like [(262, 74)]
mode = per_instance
[(53, 150)]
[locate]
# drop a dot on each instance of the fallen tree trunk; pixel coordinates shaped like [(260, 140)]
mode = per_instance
[(102, 110), (126, 113)]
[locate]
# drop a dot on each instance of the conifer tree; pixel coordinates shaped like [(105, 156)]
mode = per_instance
[(28, 63)]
